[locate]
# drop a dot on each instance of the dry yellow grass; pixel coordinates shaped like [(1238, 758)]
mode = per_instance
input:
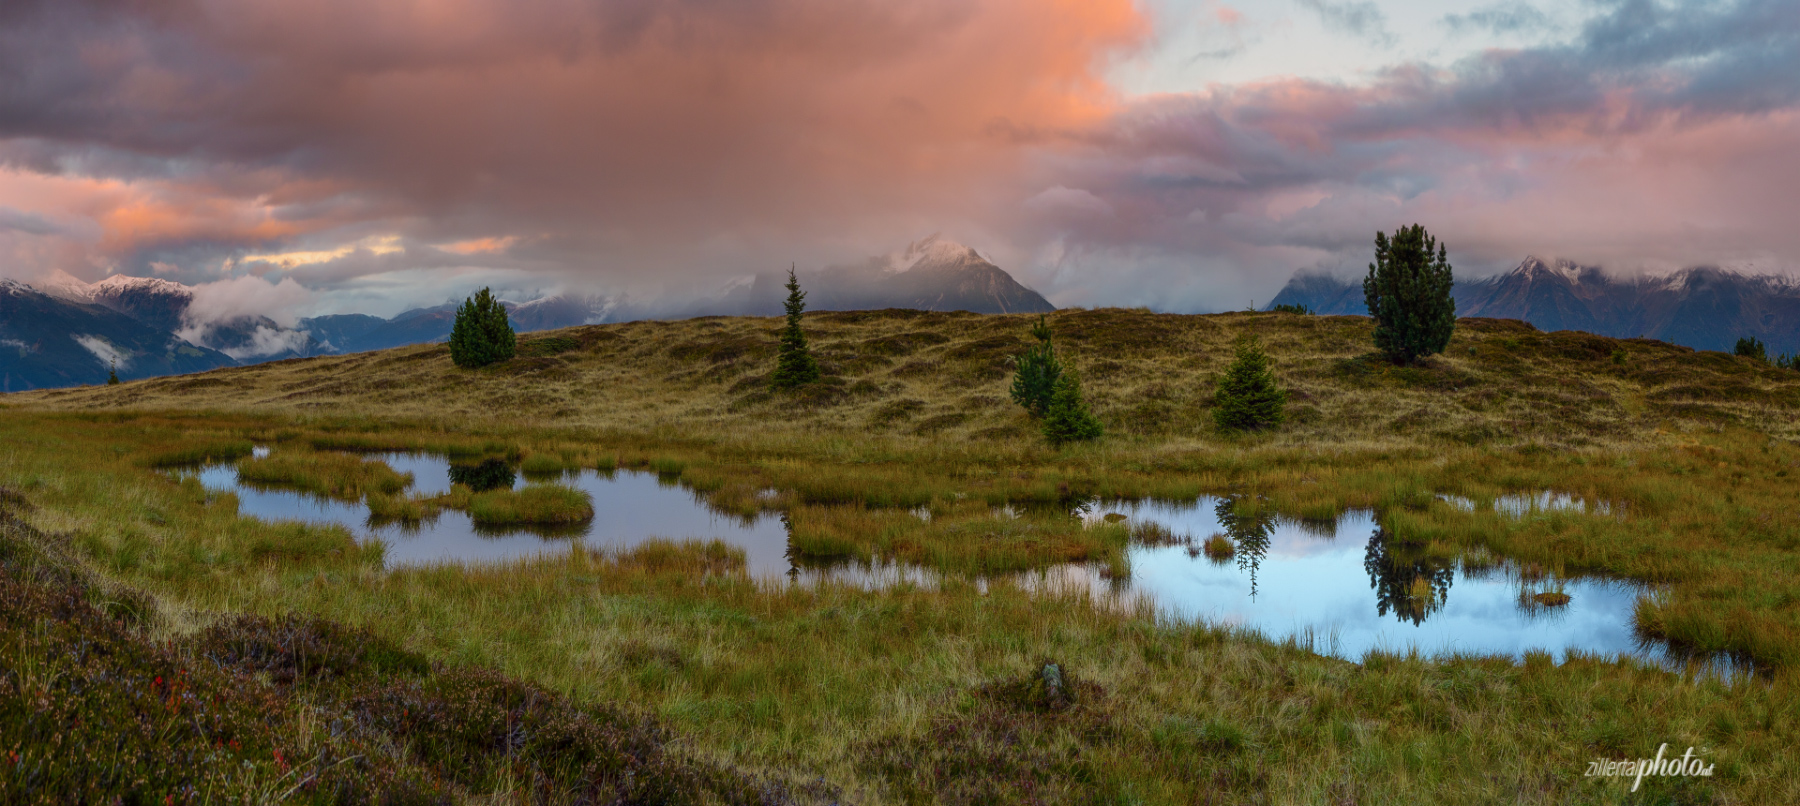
[(921, 377)]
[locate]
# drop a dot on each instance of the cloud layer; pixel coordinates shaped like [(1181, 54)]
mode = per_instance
[(406, 151)]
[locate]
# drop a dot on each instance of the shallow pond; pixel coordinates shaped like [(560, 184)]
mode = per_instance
[(629, 507), (1344, 591), (1333, 585)]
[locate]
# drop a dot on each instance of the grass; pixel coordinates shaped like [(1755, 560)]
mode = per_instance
[(917, 377), (915, 693), (969, 537), (534, 504), (95, 707), (331, 475)]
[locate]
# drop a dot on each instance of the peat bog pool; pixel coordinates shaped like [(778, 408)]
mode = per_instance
[(1334, 586)]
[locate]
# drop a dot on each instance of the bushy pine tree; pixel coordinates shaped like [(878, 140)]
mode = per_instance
[(1036, 373), (794, 364), (1752, 347), (1408, 293), (482, 334), (112, 375), (1068, 419), (1247, 397)]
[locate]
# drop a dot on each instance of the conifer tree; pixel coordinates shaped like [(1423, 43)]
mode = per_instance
[(1751, 347), (112, 375), (1034, 380), (482, 334), (794, 364), (1247, 397), (1408, 293), (1068, 419)]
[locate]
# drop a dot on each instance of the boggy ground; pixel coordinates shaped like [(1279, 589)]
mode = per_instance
[(914, 695)]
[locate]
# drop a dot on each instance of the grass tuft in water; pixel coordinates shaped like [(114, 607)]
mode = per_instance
[(544, 504)]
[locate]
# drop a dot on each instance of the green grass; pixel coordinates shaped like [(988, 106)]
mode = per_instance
[(96, 708), (921, 694), (534, 504), (333, 475)]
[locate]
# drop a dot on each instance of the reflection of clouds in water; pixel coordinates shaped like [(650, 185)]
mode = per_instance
[(629, 508), (1310, 586), (1308, 582)]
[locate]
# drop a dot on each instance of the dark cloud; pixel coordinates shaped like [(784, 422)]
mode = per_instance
[(660, 147)]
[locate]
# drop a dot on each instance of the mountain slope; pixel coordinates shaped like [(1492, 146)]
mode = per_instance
[(47, 342), (931, 275), (1704, 308)]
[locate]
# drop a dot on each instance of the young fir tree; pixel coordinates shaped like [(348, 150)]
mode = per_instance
[(1408, 292), (112, 375), (1034, 380), (1068, 419), (794, 364), (481, 334), (1246, 397)]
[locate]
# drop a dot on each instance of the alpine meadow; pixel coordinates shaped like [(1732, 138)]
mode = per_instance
[(941, 403)]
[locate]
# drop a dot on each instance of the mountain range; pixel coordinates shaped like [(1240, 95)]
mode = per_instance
[(1705, 308), (64, 332)]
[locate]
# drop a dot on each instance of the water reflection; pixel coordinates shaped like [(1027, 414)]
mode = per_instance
[(1408, 582), (492, 474), (1348, 588), (1249, 533), (1342, 584), (629, 508)]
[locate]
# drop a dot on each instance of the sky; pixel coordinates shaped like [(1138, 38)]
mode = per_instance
[(339, 156)]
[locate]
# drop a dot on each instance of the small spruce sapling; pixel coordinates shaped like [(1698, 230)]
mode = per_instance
[(1036, 373), (1068, 419), (794, 363), (112, 375), (1247, 397), (481, 334)]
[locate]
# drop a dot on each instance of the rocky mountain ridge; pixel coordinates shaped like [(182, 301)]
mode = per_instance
[(1706, 308)]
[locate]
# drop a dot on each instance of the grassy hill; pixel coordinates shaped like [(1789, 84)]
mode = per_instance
[(944, 376), (926, 694)]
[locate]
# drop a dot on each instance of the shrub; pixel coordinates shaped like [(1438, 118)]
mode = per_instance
[(1247, 397), (481, 334), (1408, 293), (1293, 308), (1068, 419), (1034, 380), (794, 364), (1751, 347)]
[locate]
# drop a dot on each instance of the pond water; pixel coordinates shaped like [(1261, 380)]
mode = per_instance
[(1347, 591), (1336, 584), (629, 508)]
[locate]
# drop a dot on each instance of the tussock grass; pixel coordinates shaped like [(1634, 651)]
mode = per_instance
[(534, 504), (969, 537), (332, 475)]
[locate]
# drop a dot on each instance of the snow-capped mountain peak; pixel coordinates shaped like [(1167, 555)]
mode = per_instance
[(932, 252), (62, 285), (120, 283)]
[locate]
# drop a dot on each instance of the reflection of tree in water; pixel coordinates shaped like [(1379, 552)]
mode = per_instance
[(493, 474), (1407, 580), (1250, 531)]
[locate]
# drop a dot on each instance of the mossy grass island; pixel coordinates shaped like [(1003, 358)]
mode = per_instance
[(958, 624)]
